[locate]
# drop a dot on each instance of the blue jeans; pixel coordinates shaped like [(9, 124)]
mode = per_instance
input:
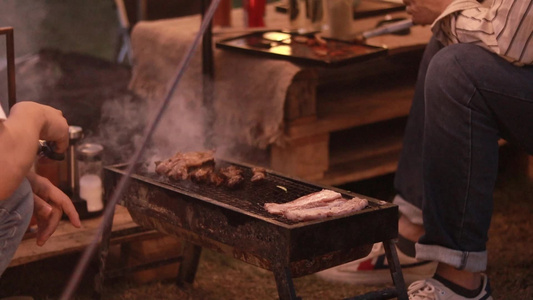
[(15, 216), (466, 99)]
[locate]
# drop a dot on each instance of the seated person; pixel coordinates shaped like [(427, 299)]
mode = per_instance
[(22, 192), (474, 87)]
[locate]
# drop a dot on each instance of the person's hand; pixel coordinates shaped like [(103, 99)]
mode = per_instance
[(424, 12), (54, 127), (49, 205)]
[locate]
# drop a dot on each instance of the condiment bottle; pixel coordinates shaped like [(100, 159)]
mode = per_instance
[(75, 135), (306, 15), (89, 159), (254, 13), (340, 15), (222, 15)]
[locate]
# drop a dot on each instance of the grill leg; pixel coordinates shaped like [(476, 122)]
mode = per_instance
[(191, 258), (395, 269), (284, 282)]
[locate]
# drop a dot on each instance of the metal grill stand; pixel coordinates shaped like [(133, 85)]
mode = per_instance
[(233, 222), (190, 259)]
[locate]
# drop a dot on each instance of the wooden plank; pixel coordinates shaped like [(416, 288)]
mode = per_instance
[(384, 145), (306, 157), (382, 164), (376, 72), (143, 252), (344, 110), (68, 239)]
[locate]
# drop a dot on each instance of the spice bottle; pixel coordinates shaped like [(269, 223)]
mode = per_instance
[(306, 15), (340, 15), (254, 13), (75, 135), (89, 160)]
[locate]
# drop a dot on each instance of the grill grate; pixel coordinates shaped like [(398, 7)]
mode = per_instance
[(249, 196)]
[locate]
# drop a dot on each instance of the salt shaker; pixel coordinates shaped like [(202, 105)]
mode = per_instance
[(89, 159)]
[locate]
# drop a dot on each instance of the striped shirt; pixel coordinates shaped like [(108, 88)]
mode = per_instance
[(504, 27)]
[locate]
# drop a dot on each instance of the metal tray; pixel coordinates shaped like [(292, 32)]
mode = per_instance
[(292, 47)]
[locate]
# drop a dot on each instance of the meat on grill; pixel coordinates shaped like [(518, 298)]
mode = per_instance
[(233, 176), (320, 198), (199, 167), (318, 205), (202, 174), (179, 165), (335, 208), (216, 179), (258, 174)]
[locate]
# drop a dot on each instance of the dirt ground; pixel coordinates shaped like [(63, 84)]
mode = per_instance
[(510, 269)]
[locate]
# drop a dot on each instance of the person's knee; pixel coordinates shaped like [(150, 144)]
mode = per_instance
[(456, 63), (16, 213), (15, 216), (452, 74), (448, 63), (26, 207)]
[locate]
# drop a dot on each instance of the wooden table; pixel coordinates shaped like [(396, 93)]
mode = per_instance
[(68, 239)]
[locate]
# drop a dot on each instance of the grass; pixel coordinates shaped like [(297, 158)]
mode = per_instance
[(510, 265)]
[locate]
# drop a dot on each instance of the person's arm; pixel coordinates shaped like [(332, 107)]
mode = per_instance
[(504, 27), (19, 136), (425, 12)]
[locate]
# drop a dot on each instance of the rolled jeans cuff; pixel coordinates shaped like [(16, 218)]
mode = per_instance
[(411, 212), (462, 260)]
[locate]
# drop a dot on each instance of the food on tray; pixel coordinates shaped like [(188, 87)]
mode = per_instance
[(318, 205)]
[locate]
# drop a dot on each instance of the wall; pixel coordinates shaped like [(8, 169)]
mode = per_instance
[(84, 26)]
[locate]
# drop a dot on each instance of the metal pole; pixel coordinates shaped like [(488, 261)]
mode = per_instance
[(207, 44), (122, 184), (208, 76), (10, 55)]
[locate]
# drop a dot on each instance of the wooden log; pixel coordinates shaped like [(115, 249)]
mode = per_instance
[(148, 251)]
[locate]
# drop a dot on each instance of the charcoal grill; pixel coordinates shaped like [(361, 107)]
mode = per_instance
[(234, 222)]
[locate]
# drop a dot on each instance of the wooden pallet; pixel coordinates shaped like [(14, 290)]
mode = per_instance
[(347, 124)]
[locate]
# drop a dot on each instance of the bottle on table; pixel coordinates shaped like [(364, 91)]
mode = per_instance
[(89, 161)]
